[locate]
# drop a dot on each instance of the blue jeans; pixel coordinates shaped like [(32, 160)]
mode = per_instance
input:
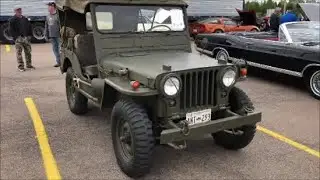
[(55, 41)]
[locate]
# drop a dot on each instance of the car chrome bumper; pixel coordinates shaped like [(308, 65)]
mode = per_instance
[(175, 134)]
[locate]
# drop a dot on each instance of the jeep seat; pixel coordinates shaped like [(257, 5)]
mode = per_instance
[(85, 50)]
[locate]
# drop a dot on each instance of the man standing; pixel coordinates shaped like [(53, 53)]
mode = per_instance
[(290, 16), (21, 31), (52, 27), (275, 20)]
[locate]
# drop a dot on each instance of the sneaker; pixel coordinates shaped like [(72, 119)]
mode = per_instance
[(56, 65), (21, 69), (31, 67)]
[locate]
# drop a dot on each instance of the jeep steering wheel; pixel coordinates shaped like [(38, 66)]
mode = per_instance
[(161, 25)]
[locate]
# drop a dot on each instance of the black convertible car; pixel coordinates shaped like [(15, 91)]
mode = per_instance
[(294, 50)]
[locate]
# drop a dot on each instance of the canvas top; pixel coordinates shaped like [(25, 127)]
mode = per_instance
[(80, 5)]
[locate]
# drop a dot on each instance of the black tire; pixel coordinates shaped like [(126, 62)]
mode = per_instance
[(138, 161), (78, 103), (240, 104), (218, 31), (312, 77), (38, 32), (5, 36)]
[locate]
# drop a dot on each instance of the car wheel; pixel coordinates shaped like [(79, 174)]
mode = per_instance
[(132, 138), (38, 33), (218, 31), (254, 30), (5, 36), (222, 55), (313, 83), (78, 103), (241, 137)]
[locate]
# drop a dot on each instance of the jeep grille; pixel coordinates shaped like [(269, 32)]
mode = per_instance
[(198, 89)]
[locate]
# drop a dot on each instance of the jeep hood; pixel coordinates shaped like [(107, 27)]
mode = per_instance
[(146, 67)]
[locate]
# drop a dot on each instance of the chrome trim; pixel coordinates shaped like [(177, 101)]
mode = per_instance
[(204, 51), (309, 65), (262, 66)]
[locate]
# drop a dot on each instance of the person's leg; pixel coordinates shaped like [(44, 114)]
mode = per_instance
[(56, 50), (19, 48), (27, 53)]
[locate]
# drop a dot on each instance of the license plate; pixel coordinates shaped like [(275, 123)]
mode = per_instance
[(195, 30), (198, 117)]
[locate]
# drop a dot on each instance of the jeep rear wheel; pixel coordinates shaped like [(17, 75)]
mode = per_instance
[(238, 138), (78, 103), (313, 82), (132, 138)]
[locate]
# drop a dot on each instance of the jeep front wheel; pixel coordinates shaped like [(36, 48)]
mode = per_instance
[(132, 138), (238, 138), (78, 103)]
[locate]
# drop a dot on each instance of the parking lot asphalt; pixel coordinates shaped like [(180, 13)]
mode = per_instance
[(82, 145)]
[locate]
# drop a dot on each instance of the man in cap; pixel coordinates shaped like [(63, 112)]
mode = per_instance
[(275, 20), (290, 16), (21, 31), (52, 31)]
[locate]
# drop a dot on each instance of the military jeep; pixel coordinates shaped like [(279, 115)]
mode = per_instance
[(135, 57)]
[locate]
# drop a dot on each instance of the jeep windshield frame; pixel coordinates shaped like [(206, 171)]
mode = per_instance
[(120, 19)]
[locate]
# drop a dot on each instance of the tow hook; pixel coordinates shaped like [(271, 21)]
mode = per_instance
[(177, 146), (249, 109), (185, 128)]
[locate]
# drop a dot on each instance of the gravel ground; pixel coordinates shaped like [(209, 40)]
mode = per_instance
[(82, 145)]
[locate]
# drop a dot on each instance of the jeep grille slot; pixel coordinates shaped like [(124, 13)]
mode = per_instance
[(197, 89)]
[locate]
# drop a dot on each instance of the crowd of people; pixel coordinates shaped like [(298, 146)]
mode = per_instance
[(276, 19), (21, 31)]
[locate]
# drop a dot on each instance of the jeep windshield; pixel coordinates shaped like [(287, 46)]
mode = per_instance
[(122, 19)]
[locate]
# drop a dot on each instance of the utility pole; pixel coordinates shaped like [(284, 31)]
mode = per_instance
[(284, 6)]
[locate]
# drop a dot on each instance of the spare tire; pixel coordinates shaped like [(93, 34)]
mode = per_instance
[(5, 36), (38, 34)]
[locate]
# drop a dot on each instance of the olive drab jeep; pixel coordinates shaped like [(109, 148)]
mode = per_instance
[(135, 57)]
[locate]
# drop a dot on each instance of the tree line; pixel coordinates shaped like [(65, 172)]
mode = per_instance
[(262, 7)]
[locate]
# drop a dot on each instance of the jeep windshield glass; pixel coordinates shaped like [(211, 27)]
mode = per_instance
[(121, 19), (304, 31)]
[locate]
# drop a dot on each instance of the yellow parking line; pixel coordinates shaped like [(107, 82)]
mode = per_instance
[(49, 161), (289, 141)]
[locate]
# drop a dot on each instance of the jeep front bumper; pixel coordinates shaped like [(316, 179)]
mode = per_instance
[(198, 130)]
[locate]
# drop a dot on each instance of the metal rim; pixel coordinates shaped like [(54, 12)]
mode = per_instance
[(38, 32), (72, 91), (125, 140), (315, 83), (222, 53), (7, 35)]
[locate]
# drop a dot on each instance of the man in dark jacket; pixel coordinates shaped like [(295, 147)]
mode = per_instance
[(21, 31), (275, 20)]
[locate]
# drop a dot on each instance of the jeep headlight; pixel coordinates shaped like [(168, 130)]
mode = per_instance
[(229, 77), (171, 86)]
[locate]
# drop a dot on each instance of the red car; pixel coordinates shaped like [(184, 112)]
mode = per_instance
[(246, 22)]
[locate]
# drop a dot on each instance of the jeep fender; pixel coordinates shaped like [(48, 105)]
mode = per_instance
[(70, 58)]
